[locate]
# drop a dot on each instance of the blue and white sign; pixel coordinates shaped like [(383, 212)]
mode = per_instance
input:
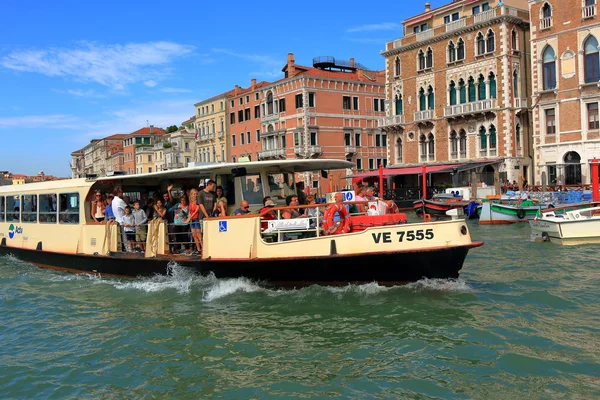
[(222, 226), (348, 195)]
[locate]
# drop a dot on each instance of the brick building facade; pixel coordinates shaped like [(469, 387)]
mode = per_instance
[(566, 75), (457, 88)]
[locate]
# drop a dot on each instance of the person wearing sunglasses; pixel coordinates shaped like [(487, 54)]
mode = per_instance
[(244, 208), (98, 207)]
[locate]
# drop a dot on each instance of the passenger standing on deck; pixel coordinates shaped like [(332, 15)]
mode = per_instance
[(108, 211), (168, 204), (194, 220), (207, 200), (129, 228), (118, 208), (98, 207), (181, 212), (141, 230)]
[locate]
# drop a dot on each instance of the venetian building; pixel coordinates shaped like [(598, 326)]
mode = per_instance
[(566, 76), (457, 88)]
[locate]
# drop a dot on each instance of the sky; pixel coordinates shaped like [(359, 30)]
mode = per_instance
[(72, 71)]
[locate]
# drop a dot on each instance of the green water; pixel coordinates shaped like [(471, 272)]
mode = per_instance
[(523, 321)]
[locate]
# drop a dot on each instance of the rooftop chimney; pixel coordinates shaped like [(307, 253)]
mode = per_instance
[(151, 128), (427, 7), (236, 89), (352, 62), (291, 68), (253, 83)]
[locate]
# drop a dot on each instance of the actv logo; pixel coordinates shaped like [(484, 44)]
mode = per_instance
[(14, 230)]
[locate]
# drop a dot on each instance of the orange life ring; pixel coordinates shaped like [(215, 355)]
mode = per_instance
[(329, 224), (392, 207)]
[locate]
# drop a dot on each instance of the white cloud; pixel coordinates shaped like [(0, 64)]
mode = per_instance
[(257, 58), (58, 121), (384, 26), (175, 90), (114, 66), (151, 83)]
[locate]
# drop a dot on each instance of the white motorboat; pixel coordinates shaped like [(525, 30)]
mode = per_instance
[(573, 225)]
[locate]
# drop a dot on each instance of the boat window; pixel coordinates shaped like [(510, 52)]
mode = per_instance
[(29, 208), (252, 188), (47, 208), (281, 186), (2, 209), (69, 208), (13, 209)]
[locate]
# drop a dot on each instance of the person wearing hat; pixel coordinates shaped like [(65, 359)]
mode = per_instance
[(267, 214)]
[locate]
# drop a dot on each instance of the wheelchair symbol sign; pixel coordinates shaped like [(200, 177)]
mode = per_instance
[(222, 226)]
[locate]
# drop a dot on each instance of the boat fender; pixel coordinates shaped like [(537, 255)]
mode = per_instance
[(332, 227), (521, 213), (427, 217), (392, 207), (39, 246), (545, 237)]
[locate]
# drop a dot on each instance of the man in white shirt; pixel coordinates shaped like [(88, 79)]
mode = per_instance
[(118, 207)]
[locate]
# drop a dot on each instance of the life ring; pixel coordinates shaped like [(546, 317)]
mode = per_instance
[(521, 213), (392, 207), (330, 227)]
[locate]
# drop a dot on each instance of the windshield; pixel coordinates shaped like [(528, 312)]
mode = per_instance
[(281, 185)]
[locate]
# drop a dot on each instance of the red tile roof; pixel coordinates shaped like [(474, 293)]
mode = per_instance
[(146, 131)]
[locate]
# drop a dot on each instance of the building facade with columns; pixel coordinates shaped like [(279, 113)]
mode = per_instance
[(565, 36), (329, 110), (457, 88)]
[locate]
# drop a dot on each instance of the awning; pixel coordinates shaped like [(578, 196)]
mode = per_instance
[(403, 171)]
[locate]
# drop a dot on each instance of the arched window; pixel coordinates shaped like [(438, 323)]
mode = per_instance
[(490, 41), (483, 139), (452, 94), (399, 104), (514, 41), (591, 61), (481, 87), (451, 52), (463, 143), (399, 151), (423, 146), (472, 91), (492, 80), (573, 168), (270, 103), (429, 58), (462, 90), (233, 158), (430, 98), (397, 66), (422, 100), (546, 11), (492, 138), (453, 145), (431, 147), (549, 68), (480, 44), (515, 84), (421, 62), (460, 50)]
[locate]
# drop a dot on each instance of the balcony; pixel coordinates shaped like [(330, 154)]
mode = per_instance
[(454, 25), (221, 134), (428, 34), (521, 103), (272, 133), (423, 115), (299, 150), (493, 152), (546, 23), (588, 11), (476, 107), (390, 121), (269, 118), (174, 165), (211, 136), (484, 16), (350, 150), (271, 153), (314, 150)]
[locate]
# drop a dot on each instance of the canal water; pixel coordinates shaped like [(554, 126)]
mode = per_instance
[(523, 321)]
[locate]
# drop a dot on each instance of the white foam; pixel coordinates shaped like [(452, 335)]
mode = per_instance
[(445, 285), (226, 287)]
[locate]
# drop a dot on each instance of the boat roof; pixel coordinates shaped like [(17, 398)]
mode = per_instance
[(293, 165), (58, 185)]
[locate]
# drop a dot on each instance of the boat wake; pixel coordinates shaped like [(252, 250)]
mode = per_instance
[(186, 280)]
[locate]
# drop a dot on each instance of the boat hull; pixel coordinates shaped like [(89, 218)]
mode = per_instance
[(437, 208), (496, 213), (387, 268), (566, 232)]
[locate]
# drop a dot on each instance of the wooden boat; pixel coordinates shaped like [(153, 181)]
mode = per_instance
[(507, 212), (569, 225), (65, 238), (438, 205)]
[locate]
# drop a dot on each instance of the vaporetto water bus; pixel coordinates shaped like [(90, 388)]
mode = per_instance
[(49, 224)]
